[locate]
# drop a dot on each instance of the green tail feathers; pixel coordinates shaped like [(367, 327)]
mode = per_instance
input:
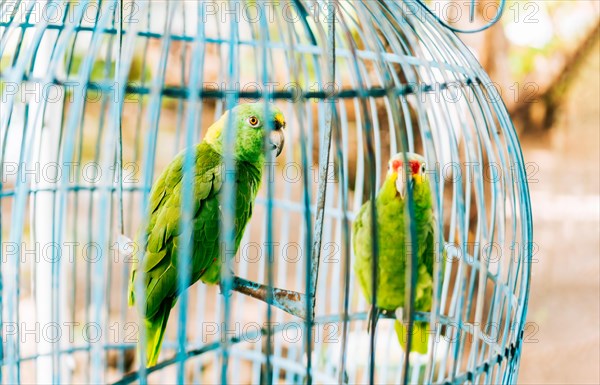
[(420, 336), (155, 331)]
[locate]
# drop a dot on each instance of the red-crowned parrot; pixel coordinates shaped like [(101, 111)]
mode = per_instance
[(392, 226)]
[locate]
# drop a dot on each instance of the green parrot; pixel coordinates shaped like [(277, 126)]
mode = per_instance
[(163, 230), (392, 222)]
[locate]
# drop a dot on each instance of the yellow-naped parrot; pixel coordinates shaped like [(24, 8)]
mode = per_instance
[(393, 244), (163, 230)]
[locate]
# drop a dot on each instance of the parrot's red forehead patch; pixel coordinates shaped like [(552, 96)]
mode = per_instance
[(415, 166)]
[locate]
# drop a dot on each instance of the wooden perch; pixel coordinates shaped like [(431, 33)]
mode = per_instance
[(289, 301)]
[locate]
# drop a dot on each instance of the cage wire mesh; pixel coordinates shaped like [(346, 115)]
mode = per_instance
[(99, 96)]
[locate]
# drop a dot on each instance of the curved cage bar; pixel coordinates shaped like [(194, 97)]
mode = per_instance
[(99, 96)]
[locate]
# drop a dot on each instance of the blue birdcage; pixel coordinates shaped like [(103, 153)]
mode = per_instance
[(99, 96)]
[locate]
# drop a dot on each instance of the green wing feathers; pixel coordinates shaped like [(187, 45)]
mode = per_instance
[(155, 332), (159, 259)]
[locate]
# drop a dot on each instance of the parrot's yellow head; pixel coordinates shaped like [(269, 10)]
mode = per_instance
[(416, 168), (251, 122)]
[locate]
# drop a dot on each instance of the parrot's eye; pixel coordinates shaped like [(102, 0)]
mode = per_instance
[(423, 168), (253, 121)]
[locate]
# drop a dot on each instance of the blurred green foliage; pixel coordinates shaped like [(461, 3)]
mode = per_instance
[(103, 70)]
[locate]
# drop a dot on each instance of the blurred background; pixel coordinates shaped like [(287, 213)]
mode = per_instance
[(545, 56)]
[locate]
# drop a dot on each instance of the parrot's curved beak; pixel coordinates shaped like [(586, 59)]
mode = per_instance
[(401, 185), (277, 139), (277, 135)]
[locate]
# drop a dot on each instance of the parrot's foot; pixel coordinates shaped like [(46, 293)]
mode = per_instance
[(223, 290), (372, 318)]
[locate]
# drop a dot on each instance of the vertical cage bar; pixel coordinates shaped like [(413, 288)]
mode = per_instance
[(154, 113), (264, 36), (228, 195), (43, 217), (324, 149)]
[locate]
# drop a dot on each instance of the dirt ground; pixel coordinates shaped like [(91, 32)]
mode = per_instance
[(564, 306)]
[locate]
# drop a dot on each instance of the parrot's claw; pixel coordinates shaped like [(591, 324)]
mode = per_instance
[(222, 289), (372, 318)]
